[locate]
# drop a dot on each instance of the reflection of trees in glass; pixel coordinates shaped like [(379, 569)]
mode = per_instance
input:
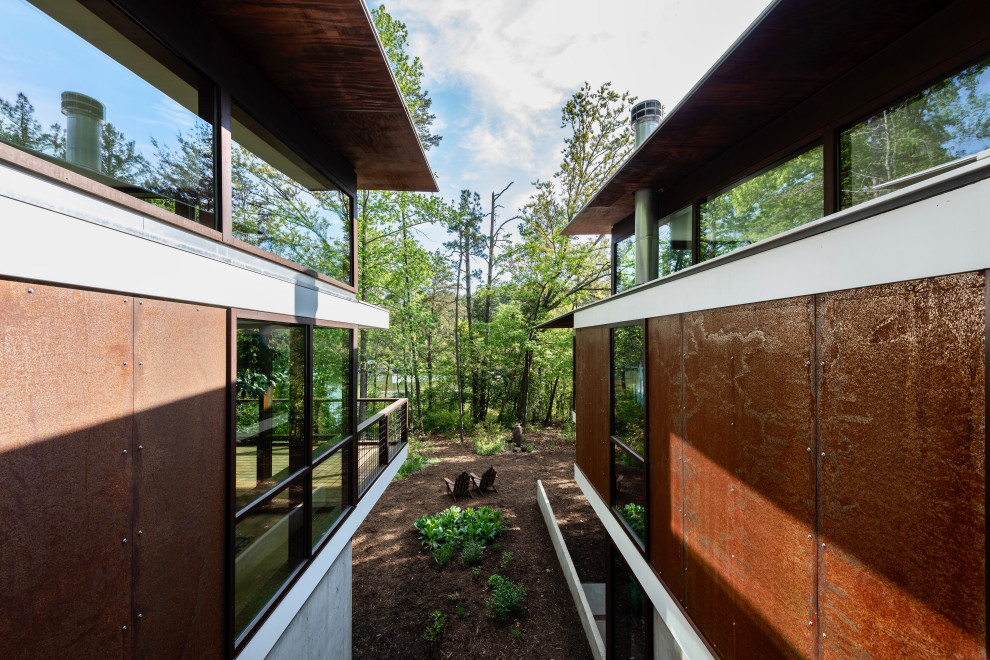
[(787, 196), (270, 360), (275, 213), (627, 379), (183, 175), (625, 264), (949, 120), (331, 389)]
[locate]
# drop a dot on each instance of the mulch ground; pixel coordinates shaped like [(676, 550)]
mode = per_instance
[(396, 586)]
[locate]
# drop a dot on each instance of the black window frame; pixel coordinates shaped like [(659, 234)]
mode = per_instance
[(644, 543), (304, 475)]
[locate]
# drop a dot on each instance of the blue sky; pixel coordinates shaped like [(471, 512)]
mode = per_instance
[(498, 73)]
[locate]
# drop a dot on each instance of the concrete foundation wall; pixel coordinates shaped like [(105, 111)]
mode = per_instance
[(322, 628)]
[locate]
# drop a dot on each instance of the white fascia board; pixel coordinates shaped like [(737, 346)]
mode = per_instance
[(944, 234), (673, 617), (51, 233), (264, 640)]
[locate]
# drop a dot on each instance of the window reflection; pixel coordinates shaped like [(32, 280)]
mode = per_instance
[(271, 398), (331, 489), (627, 386), (631, 613), (675, 241), (269, 543), (284, 206), (774, 201), (625, 263), (331, 387), (76, 92), (946, 121)]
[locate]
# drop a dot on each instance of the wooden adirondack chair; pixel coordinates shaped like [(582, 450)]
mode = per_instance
[(461, 486), (485, 481)]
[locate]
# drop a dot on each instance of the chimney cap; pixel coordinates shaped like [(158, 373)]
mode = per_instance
[(649, 109), (74, 103)]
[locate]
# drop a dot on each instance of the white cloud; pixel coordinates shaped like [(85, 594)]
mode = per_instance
[(511, 64)]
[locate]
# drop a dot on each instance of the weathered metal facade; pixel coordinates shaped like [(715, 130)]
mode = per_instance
[(817, 469), (591, 351), (112, 448)]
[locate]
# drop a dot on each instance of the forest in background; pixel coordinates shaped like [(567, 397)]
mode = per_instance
[(462, 345)]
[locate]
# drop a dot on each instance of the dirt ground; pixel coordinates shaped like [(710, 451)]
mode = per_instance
[(396, 586)]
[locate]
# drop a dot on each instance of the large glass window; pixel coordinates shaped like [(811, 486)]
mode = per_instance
[(778, 199), (949, 120), (629, 429), (284, 206), (675, 242), (631, 613), (293, 477), (75, 91), (624, 263)]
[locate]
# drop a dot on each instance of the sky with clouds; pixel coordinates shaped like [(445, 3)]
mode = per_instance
[(499, 71)]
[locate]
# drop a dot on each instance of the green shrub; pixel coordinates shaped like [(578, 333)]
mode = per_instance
[(488, 442), (421, 454), (506, 558), (444, 553), (472, 552), (506, 599), (456, 527), (434, 631), (635, 516)]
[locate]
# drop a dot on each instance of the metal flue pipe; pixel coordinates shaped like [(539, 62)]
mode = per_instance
[(84, 126), (645, 118)]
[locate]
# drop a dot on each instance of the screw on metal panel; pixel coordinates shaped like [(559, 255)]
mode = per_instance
[(910, 287), (809, 448), (732, 357), (141, 302), (125, 364), (823, 634), (807, 362), (732, 423), (733, 556), (823, 453), (125, 299), (197, 309), (823, 298), (125, 540), (809, 300), (125, 451), (810, 623), (140, 446), (140, 616), (30, 290), (140, 532), (140, 364), (809, 535), (124, 628)]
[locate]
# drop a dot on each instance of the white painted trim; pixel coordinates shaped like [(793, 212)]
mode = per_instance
[(278, 621), (60, 235), (943, 234), (677, 623), (584, 611)]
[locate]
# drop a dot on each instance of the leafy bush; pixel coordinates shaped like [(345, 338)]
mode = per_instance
[(488, 442), (421, 454), (635, 516), (506, 558), (444, 553), (507, 598), (434, 631), (471, 554), (456, 527)]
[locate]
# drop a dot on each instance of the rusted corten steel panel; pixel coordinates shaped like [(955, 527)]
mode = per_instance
[(180, 430), (902, 572), (749, 491), (592, 405), (665, 452), (65, 498)]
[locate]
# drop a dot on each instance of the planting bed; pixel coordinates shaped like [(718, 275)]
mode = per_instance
[(397, 587)]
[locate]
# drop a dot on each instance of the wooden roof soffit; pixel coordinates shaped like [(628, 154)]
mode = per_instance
[(325, 56)]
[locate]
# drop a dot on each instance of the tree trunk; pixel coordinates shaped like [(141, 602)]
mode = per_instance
[(553, 393), (457, 352)]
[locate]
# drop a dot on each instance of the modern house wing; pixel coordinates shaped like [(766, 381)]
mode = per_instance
[(183, 455), (781, 410)]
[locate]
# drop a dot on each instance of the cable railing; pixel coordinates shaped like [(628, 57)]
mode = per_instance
[(380, 438)]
